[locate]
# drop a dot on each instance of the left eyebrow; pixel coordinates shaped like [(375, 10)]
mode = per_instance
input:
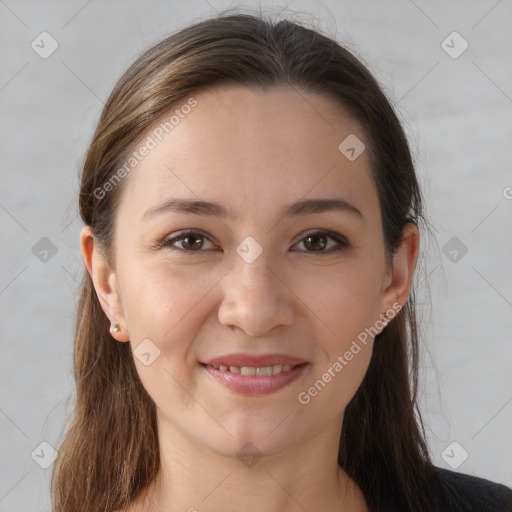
[(320, 206)]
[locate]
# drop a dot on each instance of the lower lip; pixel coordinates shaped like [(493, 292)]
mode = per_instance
[(253, 385)]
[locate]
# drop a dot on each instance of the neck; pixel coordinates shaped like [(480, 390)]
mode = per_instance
[(192, 478)]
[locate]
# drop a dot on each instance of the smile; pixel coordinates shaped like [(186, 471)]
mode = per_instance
[(256, 380)]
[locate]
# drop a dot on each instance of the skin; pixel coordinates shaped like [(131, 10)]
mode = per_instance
[(255, 152)]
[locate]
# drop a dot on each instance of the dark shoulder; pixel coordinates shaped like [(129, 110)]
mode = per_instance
[(459, 492)]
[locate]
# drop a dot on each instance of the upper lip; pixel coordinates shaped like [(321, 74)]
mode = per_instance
[(254, 361)]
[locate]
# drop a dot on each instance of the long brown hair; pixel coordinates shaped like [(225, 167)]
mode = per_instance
[(110, 452)]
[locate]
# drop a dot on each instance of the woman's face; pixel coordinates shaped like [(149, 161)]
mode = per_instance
[(246, 238)]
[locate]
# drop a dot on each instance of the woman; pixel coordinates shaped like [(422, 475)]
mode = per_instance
[(246, 328)]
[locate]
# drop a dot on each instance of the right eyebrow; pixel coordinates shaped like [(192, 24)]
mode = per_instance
[(192, 206)]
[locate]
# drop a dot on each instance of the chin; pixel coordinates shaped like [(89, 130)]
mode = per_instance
[(257, 438), (250, 448)]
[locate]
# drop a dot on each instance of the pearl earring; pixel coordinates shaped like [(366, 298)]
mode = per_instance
[(115, 328)]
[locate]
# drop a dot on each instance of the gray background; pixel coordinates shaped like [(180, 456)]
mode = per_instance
[(457, 112)]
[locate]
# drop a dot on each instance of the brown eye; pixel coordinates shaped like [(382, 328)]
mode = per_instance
[(315, 242), (192, 242), (188, 241), (322, 242)]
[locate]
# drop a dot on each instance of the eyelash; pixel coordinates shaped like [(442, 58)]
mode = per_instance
[(339, 239)]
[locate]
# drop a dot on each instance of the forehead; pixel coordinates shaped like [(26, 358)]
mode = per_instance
[(238, 145)]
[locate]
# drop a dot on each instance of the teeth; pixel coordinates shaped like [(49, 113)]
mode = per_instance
[(266, 370), (263, 371)]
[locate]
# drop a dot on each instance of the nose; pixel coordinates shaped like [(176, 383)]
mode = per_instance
[(256, 299)]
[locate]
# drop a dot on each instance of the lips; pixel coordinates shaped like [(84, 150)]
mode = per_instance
[(255, 375)]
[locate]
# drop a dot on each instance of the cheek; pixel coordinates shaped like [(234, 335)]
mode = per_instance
[(339, 373), (163, 298), (166, 305), (344, 299), (346, 355)]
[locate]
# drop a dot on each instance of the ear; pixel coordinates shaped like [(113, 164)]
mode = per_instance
[(105, 282), (398, 282)]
